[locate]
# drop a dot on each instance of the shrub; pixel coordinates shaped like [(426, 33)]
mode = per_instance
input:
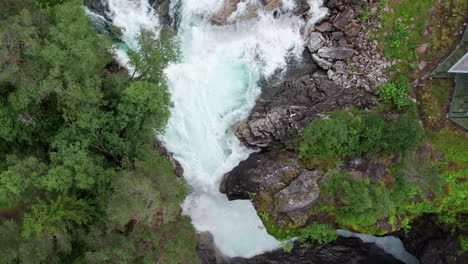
[(396, 91), (363, 203), (371, 135), (327, 139), (321, 233), (341, 135), (401, 135)]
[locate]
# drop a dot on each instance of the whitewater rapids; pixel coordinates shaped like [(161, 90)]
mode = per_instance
[(214, 86)]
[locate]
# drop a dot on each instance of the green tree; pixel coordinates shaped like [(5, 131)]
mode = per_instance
[(54, 215), (327, 139), (149, 194), (19, 182), (154, 54), (402, 134)]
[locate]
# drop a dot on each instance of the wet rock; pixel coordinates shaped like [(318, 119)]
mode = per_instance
[(179, 170), (316, 41), (300, 193), (207, 251), (261, 172), (337, 53), (97, 6), (432, 242), (344, 18), (345, 250)]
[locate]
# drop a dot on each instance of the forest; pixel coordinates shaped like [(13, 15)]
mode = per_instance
[(80, 178)]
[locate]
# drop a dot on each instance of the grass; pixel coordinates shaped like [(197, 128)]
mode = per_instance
[(408, 24), (401, 29)]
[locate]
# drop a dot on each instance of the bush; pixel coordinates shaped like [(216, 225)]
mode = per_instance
[(325, 141), (316, 232), (396, 91), (401, 135), (363, 203)]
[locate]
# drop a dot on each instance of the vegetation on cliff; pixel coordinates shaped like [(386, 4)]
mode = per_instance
[(80, 181), (427, 164)]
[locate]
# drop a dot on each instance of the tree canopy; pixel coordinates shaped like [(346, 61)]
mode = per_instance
[(80, 180)]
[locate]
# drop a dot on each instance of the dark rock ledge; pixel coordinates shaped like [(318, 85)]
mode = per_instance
[(342, 251)]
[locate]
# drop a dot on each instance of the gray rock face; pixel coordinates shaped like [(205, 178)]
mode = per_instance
[(261, 172), (295, 103), (98, 6), (300, 194), (344, 18), (207, 251), (316, 41), (337, 53), (432, 242)]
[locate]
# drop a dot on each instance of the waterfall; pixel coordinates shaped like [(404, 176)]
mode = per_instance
[(214, 86)]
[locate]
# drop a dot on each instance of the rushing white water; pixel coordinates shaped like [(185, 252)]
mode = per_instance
[(213, 87)]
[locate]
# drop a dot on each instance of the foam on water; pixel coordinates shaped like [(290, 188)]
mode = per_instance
[(132, 15), (213, 87)]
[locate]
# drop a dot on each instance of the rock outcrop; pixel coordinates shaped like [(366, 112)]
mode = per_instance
[(342, 251), (350, 67), (433, 243), (98, 6), (296, 103)]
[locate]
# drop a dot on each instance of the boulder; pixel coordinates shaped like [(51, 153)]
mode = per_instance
[(322, 63), (316, 41), (337, 53), (374, 171), (324, 27), (261, 172), (300, 193), (339, 67), (352, 29), (344, 18)]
